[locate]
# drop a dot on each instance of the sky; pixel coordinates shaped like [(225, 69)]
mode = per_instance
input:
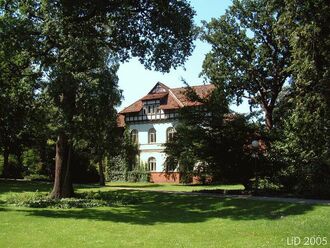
[(136, 81)]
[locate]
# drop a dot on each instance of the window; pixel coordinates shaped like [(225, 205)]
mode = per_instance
[(152, 164), (170, 166), (135, 136), (151, 109), (170, 132), (152, 136)]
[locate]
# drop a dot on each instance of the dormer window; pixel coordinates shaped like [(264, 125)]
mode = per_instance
[(151, 109)]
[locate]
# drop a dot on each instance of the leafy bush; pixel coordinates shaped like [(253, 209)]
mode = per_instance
[(15, 168), (115, 176), (128, 176), (117, 171), (32, 161), (115, 198), (37, 177), (116, 168), (268, 185), (1, 164), (138, 176), (83, 200), (25, 199)]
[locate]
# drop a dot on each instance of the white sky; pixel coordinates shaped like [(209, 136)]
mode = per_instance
[(136, 81)]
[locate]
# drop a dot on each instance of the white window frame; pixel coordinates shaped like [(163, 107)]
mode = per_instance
[(152, 164), (152, 136), (170, 131)]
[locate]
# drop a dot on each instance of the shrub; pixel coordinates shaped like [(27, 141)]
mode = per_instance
[(117, 171), (25, 199), (15, 168), (128, 176), (83, 200), (1, 164), (32, 161), (138, 176), (37, 177), (116, 176), (268, 185)]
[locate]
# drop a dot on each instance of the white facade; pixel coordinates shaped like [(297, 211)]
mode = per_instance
[(152, 120), (149, 149)]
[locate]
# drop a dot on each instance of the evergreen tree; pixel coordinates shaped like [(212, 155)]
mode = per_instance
[(304, 145)]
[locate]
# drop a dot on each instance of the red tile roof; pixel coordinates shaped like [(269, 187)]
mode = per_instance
[(201, 90), (133, 108), (154, 96), (170, 99)]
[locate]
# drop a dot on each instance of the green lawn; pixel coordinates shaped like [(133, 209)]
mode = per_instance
[(173, 187), (159, 220)]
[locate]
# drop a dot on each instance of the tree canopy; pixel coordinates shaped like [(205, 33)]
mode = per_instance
[(76, 40), (250, 55)]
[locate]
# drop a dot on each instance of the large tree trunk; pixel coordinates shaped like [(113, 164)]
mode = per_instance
[(101, 172), (5, 170), (67, 190), (62, 184)]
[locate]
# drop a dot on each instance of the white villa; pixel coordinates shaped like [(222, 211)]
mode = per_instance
[(152, 120)]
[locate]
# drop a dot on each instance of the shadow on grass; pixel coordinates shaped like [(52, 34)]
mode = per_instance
[(23, 186), (172, 208)]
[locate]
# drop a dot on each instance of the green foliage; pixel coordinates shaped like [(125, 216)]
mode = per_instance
[(18, 79), (138, 176), (15, 167), (249, 56), (117, 171), (123, 163), (83, 200), (1, 164), (302, 148), (129, 150), (210, 141), (127, 176), (83, 170), (116, 163), (75, 46), (37, 177), (32, 161)]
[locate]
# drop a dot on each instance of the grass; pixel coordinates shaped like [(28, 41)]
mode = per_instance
[(158, 220), (173, 187)]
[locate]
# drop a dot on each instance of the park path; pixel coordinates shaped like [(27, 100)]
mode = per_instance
[(247, 197)]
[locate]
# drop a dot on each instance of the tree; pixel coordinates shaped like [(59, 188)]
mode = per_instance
[(214, 139), (304, 144), (96, 121), (73, 37), (19, 82), (249, 55)]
